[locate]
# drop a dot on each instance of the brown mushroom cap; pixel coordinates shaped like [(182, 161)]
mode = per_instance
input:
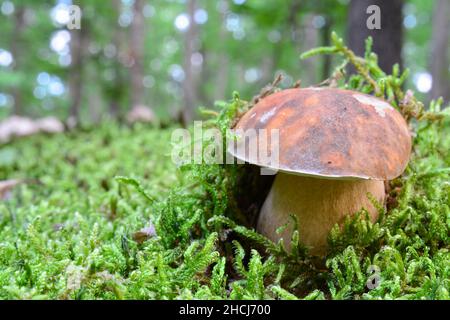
[(331, 133)]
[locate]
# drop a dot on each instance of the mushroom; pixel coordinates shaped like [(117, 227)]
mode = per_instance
[(335, 146)]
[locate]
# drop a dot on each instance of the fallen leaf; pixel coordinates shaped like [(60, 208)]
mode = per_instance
[(144, 234), (6, 186), (141, 113)]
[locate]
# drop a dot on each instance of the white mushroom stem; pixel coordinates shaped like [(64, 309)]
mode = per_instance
[(318, 204)]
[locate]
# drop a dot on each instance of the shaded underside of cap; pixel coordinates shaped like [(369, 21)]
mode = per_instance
[(328, 132)]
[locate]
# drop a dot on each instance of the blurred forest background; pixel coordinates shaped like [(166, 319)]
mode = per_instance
[(171, 56)]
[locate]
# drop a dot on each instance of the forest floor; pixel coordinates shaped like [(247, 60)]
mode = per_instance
[(69, 209), (73, 231)]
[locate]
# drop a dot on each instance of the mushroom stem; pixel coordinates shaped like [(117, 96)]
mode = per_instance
[(318, 204)]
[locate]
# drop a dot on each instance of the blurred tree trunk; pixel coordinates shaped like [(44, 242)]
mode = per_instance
[(439, 61), (288, 30), (239, 75), (222, 73), (116, 91), (326, 41), (19, 24), (205, 75), (78, 40), (189, 83), (94, 95), (310, 40), (387, 41), (267, 67), (115, 96), (222, 77), (137, 54)]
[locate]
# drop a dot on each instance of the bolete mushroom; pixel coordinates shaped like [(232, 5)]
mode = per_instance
[(335, 147)]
